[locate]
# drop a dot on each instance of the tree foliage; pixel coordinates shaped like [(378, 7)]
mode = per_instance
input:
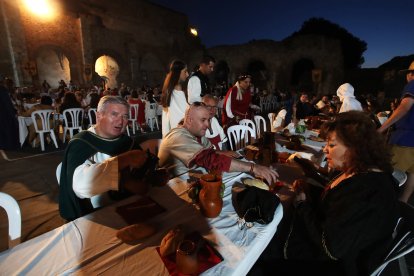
[(352, 47)]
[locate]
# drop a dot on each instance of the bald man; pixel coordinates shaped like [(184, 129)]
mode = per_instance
[(186, 147)]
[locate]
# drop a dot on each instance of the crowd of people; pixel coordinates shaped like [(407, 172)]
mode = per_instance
[(332, 228)]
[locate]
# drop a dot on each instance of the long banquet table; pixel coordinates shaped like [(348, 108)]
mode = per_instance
[(88, 245)]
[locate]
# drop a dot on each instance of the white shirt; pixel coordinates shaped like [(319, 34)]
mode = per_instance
[(172, 115), (279, 119), (194, 90), (96, 175)]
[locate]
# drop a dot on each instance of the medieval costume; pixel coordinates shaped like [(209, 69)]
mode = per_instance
[(180, 151), (198, 86), (85, 151), (236, 106)]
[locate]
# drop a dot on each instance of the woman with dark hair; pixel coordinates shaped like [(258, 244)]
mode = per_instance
[(237, 102), (69, 101), (344, 228), (174, 99)]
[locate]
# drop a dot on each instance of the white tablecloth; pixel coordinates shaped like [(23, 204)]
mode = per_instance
[(24, 122), (89, 246)]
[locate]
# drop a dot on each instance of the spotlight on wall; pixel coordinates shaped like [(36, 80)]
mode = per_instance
[(193, 31), (42, 8)]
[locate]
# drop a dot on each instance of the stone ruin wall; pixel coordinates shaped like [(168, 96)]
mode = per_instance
[(280, 57), (143, 38)]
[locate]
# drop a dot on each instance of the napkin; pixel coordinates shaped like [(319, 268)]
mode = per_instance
[(291, 127), (207, 256)]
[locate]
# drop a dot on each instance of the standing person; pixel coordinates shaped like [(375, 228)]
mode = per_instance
[(237, 102), (9, 131), (215, 132), (173, 97), (99, 160), (345, 93), (402, 138), (198, 84)]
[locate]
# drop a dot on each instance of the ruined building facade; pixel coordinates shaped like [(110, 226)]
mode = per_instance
[(133, 42)]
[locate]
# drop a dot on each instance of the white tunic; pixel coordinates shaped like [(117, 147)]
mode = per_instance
[(172, 115)]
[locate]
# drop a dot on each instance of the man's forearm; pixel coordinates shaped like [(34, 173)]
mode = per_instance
[(400, 112), (240, 166)]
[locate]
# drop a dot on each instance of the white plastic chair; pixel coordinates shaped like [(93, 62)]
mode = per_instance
[(45, 117), (271, 117), (92, 116), (400, 176), (239, 135), (151, 115), (72, 119), (403, 240), (259, 121), (15, 218), (133, 108), (249, 123)]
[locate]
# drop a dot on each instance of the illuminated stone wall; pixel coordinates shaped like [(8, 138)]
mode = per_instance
[(143, 38)]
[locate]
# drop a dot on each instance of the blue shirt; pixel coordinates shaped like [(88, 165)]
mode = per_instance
[(403, 135)]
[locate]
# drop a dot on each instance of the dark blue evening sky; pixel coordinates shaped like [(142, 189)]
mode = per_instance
[(385, 25)]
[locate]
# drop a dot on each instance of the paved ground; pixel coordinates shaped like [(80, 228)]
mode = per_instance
[(29, 176)]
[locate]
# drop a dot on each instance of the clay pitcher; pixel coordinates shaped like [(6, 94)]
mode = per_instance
[(210, 197)]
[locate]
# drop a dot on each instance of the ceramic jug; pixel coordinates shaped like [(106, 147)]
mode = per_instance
[(210, 199), (186, 257)]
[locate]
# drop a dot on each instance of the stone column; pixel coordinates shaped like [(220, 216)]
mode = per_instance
[(16, 44), (88, 62)]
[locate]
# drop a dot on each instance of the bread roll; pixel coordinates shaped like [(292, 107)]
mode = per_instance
[(257, 183), (135, 232)]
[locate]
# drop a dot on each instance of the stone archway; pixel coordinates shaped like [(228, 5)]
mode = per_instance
[(257, 69), (301, 78), (152, 70), (108, 69), (52, 65)]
